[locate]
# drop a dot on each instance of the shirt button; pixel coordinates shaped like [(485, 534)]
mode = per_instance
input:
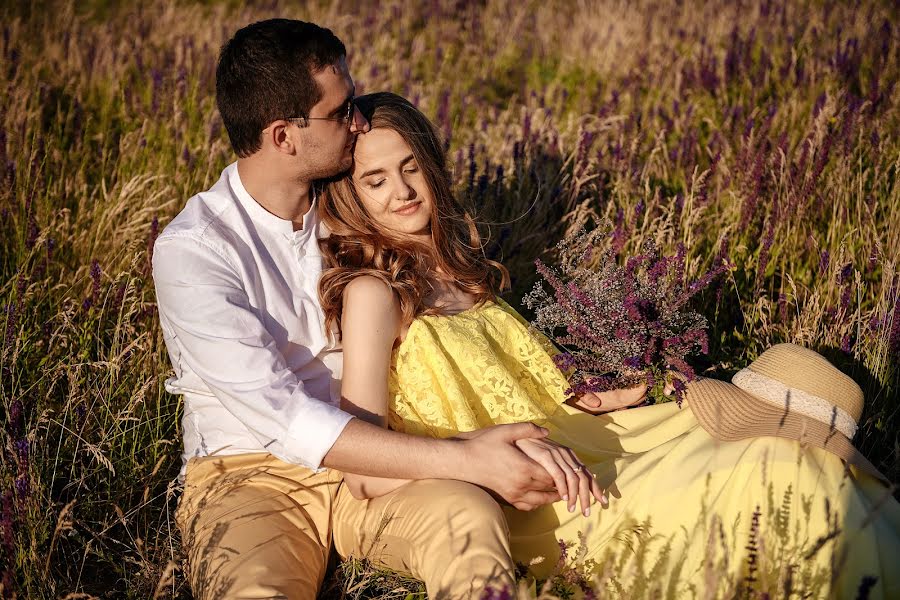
[(301, 252)]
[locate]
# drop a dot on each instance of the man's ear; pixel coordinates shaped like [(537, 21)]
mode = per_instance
[(276, 135)]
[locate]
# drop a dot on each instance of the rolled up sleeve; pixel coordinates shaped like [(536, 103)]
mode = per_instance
[(211, 326)]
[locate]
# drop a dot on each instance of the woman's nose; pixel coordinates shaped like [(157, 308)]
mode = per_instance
[(403, 191)]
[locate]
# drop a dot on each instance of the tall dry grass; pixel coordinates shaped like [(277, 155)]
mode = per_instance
[(765, 131)]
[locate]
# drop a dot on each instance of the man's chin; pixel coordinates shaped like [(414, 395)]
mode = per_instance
[(343, 165), (346, 162)]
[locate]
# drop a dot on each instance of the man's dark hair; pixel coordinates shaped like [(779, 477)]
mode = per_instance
[(265, 73)]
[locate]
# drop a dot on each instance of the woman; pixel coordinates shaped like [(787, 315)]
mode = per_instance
[(430, 349)]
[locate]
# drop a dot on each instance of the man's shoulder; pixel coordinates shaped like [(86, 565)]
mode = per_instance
[(205, 230), (205, 214)]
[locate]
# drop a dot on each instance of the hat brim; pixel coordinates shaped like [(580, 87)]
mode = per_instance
[(729, 413)]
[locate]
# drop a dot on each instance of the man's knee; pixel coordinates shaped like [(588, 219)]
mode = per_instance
[(463, 506), (468, 548)]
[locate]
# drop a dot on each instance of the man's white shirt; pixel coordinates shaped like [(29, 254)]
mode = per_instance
[(238, 304)]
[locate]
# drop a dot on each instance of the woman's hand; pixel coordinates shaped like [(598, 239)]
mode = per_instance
[(597, 403), (572, 478)]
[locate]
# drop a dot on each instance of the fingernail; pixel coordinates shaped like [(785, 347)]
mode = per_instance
[(604, 499), (587, 511), (565, 497), (572, 508)]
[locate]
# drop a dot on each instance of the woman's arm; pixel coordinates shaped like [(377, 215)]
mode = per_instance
[(370, 324)]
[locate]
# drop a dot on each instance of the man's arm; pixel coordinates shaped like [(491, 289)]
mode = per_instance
[(212, 330), (224, 342), (487, 458)]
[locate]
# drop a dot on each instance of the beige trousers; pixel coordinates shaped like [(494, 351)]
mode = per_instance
[(256, 527)]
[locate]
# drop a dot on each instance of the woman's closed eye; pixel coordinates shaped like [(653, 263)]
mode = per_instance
[(376, 184)]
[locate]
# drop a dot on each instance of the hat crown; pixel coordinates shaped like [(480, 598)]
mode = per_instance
[(803, 369)]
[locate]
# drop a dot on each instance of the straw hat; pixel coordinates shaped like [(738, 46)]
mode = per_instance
[(788, 392)]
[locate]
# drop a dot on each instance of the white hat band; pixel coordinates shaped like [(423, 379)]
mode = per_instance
[(794, 400)]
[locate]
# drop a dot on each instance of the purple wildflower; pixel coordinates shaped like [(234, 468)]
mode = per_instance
[(80, 412), (680, 390), (633, 362), (493, 593), (846, 294), (622, 324), (21, 448), (95, 279), (564, 361), (23, 488), (824, 260), (763, 260), (845, 273), (847, 344)]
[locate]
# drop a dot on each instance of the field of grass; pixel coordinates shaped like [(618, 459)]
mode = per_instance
[(765, 132)]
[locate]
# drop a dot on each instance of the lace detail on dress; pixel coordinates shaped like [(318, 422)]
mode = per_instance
[(477, 368)]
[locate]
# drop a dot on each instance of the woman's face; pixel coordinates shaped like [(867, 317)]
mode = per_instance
[(390, 184)]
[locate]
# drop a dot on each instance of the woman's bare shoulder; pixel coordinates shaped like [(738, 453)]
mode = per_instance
[(370, 290), (369, 302)]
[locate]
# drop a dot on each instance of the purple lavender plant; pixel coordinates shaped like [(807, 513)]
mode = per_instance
[(619, 326)]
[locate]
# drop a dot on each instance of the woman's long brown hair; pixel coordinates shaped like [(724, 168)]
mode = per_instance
[(359, 246)]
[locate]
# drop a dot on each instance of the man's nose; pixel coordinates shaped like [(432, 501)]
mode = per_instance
[(359, 123)]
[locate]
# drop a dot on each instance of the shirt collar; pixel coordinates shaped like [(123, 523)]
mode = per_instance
[(263, 217)]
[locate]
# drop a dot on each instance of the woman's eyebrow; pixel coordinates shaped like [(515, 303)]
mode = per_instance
[(371, 172)]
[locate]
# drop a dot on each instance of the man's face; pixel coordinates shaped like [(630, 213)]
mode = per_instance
[(327, 141)]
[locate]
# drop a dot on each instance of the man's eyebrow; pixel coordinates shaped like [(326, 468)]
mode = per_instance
[(379, 171), (343, 104)]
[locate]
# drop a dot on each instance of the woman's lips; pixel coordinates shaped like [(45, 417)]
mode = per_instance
[(409, 209)]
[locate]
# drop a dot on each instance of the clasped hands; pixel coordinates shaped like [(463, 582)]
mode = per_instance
[(518, 463)]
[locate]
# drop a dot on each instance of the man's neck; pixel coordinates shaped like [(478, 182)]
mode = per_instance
[(285, 197)]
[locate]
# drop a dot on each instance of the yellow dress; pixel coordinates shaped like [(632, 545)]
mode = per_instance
[(689, 516)]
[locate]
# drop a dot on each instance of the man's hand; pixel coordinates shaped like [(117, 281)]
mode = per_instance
[(494, 461)]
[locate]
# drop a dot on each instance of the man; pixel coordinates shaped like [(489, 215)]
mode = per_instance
[(236, 276)]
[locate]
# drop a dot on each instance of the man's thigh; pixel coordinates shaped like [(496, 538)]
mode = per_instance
[(255, 527), (450, 534)]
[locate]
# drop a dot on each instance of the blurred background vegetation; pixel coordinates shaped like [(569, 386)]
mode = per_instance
[(765, 132)]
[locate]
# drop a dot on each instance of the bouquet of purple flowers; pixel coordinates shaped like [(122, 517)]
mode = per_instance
[(618, 326)]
